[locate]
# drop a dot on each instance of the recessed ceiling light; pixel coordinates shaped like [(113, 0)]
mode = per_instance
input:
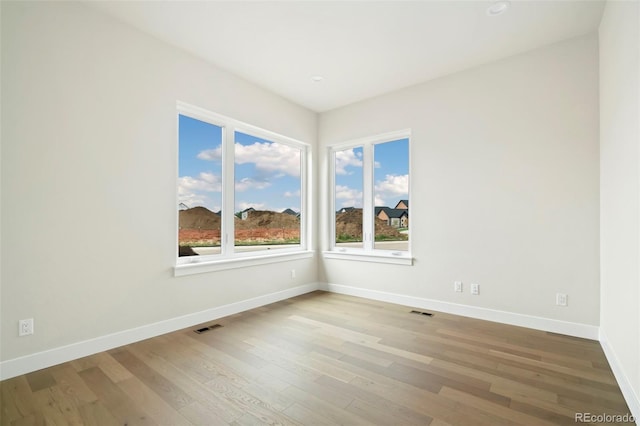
[(317, 78), (498, 8)]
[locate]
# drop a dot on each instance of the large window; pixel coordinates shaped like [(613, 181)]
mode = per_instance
[(241, 189), (267, 194), (370, 202)]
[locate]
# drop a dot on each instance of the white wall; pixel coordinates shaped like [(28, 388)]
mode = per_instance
[(89, 164), (504, 184), (620, 193)]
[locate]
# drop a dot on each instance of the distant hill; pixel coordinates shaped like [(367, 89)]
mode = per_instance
[(268, 219), (203, 218), (198, 218), (349, 225)]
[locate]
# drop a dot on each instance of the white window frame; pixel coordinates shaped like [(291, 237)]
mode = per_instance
[(228, 258), (368, 252)]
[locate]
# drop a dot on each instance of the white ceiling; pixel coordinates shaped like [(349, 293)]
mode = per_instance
[(361, 48)]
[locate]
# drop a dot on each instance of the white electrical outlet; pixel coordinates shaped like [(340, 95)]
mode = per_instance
[(562, 299), (457, 286), (25, 327), (475, 289), (293, 273)]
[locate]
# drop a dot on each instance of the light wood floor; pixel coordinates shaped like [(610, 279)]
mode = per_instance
[(325, 358)]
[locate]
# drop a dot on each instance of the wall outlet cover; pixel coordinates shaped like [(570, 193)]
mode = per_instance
[(25, 327), (562, 299)]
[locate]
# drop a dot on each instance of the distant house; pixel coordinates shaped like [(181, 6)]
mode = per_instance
[(346, 209), (381, 213), (244, 214), (403, 205), (398, 218), (290, 212), (183, 206)]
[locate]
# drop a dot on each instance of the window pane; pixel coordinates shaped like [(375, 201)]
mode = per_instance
[(391, 191), (199, 187), (267, 194), (348, 197)]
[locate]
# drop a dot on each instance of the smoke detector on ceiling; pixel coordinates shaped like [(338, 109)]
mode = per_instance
[(498, 8)]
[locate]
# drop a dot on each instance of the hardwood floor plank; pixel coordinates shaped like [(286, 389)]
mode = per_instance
[(332, 330), (402, 414), (307, 384), (543, 413), (261, 395), (507, 345), (248, 403), (492, 408), (116, 401), (39, 380), (324, 358), (378, 415), (333, 412), (593, 374), (305, 416), (196, 390), (96, 414), (72, 385), (17, 400), (311, 363), (164, 388), (151, 402), (563, 384), (56, 408), (208, 413)]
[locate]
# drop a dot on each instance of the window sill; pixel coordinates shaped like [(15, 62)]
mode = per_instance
[(199, 267), (394, 259)]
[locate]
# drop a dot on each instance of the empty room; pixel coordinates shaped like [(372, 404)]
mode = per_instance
[(320, 212)]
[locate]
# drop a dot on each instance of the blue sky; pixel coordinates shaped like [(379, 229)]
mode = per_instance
[(391, 175), (267, 174)]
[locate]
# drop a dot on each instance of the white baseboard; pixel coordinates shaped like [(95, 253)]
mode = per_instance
[(556, 326), (37, 361), (630, 396), (26, 364)]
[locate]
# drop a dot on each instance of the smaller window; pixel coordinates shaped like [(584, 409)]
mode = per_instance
[(348, 197), (370, 196), (391, 195)]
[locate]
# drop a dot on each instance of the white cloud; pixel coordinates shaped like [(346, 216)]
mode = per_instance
[(207, 182), (214, 154), (289, 194), (392, 189), (193, 199), (348, 197), (243, 205), (246, 184), (270, 157), (345, 159), (194, 191)]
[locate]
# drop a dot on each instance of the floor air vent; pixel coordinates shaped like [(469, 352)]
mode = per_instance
[(429, 314), (204, 329)]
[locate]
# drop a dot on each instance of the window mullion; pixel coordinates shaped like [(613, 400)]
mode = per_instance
[(368, 197), (228, 192), (304, 170)]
